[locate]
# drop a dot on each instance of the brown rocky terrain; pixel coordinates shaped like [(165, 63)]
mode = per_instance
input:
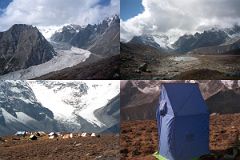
[(79, 148), (139, 139), (158, 65), (133, 56)]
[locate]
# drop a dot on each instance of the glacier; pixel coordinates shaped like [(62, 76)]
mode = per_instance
[(63, 59), (66, 106)]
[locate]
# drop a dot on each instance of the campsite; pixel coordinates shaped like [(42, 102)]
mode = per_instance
[(77, 146), (183, 127)]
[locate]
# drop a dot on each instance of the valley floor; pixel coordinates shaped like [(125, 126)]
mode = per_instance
[(139, 139), (180, 67), (79, 148)]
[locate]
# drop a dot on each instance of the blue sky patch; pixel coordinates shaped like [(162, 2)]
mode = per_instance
[(104, 2), (130, 8), (4, 4)]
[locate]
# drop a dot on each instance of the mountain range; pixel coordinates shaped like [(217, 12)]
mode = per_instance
[(213, 41), (139, 98), (101, 39), (74, 106), (26, 54)]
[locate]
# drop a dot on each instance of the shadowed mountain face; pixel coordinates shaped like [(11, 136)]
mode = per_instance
[(20, 110), (102, 39), (107, 44), (228, 48), (23, 46), (146, 40), (187, 43), (17, 96), (225, 102), (110, 115), (139, 99)]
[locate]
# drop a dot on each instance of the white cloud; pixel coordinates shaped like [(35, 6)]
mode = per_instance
[(56, 12), (175, 17)]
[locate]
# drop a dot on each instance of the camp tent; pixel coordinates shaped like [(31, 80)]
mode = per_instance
[(183, 122), (33, 137), (52, 135), (21, 133)]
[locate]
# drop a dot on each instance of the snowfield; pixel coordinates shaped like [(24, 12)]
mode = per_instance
[(53, 100), (96, 98), (48, 31), (63, 59), (98, 95)]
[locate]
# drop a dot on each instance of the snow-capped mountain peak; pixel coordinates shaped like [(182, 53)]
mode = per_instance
[(145, 40), (163, 41), (48, 31), (111, 19)]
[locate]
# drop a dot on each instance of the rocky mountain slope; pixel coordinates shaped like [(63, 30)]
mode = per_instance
[(102, 39), (20, 109), (145, 40), (23, 46), (160, 42), (93, 68), (139, 99), (59, 106), (215, 41), (232, 48), (208, 38)]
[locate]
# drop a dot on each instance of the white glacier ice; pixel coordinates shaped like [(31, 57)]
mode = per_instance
[(63, 59), (98, 95)]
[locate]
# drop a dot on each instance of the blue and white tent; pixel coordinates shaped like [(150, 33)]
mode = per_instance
[(20, 133), (183, 122)]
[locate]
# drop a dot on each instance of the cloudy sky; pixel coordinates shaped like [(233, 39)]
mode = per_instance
[(55, 12), (176, 17)]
